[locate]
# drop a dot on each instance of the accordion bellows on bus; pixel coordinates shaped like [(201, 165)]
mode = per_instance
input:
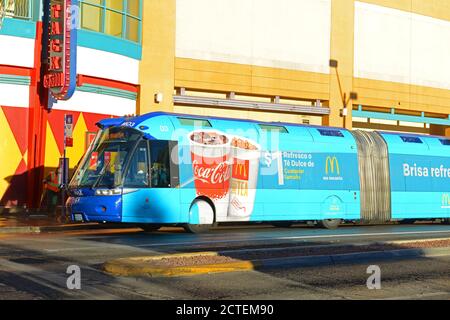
[(170, 169)]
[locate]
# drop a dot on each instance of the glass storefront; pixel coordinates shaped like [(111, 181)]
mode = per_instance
[(118, 18)]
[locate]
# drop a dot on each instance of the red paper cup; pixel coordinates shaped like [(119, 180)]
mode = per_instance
[(210, 153)]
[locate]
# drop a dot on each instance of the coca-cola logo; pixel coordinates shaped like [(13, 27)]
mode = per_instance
[(219, 173)]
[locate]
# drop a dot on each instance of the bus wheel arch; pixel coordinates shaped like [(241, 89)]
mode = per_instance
[(210, 202), (333, 212), (202, 215)]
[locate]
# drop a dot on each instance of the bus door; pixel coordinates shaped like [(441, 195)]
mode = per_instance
[(150, 194), (136, 184)]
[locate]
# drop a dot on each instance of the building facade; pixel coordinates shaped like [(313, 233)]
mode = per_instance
[(257, 59)]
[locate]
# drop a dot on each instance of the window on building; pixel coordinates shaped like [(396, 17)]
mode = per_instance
[(19, 9), (117, 18)]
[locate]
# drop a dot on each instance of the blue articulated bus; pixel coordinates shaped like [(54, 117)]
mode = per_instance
[(170, 169)]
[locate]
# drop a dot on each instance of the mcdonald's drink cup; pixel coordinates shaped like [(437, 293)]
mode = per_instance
[(210, 153), (244, 177)]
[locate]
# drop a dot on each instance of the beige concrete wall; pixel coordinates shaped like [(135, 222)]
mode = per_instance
[(162, 70), (156, 71)]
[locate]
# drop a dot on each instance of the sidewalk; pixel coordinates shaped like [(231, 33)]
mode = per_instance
[(196, 263), (37, 223)]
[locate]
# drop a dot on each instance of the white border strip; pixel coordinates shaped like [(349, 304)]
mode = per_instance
[(97, 103), (13, 95)]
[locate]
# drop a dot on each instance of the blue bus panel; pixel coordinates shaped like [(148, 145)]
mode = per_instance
[(420, 176), (249, 171)]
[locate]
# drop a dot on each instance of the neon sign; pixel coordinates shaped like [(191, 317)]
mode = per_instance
[(60, 78)]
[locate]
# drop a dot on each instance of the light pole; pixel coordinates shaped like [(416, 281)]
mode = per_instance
[(352, 96)]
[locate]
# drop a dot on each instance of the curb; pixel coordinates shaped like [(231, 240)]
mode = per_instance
[(44, 229), (135, 270), (26, 229), (137, 266)]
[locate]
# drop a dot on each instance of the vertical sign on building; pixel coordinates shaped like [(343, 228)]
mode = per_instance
[(61, 75), (68, 130)]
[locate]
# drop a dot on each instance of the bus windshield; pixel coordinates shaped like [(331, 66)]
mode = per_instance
[(104, 163)]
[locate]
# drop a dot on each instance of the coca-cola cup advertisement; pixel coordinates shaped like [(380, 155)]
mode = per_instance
[(210, 153), (245, 156)]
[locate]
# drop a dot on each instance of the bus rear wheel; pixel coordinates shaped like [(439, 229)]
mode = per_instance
[(330, 224)]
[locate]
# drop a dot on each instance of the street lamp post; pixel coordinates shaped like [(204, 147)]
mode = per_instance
[(345, 101)]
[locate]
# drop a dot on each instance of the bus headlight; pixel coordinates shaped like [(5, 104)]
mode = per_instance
[(107, 192)]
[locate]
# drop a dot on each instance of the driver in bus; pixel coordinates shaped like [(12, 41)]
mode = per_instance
[(160, 177)]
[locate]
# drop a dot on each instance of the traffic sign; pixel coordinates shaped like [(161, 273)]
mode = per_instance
[(68, 130)]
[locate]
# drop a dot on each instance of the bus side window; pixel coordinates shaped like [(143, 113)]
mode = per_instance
[(174, 164), (138, 175), (160, 164)]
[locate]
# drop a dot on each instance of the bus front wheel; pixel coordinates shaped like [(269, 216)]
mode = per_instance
[(201, 212), (330, 224)]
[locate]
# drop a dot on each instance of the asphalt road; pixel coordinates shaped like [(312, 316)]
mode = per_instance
[(34, 266)]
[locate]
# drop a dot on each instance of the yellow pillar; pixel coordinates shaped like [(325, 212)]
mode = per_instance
[(342, 31), (440, 130), (157, 67)]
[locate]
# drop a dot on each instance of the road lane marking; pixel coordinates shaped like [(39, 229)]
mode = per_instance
[(368, 234), (253, 240), (291, 238)]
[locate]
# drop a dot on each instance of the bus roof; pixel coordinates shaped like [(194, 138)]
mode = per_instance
[(392, 138), (139, 119)]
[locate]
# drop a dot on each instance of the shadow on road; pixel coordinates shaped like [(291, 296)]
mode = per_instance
[(42, 273)]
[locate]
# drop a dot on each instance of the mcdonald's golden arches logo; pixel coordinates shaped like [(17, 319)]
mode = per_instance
[(240, 169), (332, 166), (446, 200)]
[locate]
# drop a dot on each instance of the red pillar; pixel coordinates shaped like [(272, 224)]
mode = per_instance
[(37, 127)]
